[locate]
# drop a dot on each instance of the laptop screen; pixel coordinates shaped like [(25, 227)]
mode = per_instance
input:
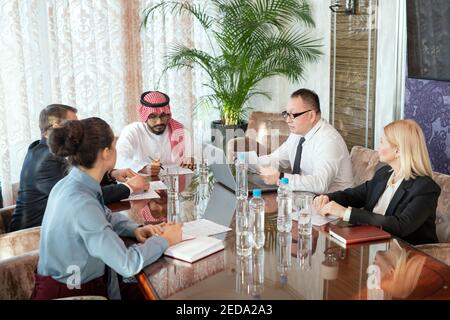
[(221, 206)]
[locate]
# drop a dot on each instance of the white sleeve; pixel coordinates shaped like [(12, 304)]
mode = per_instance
[(347, 214), (327, 159), (126, 149), (280, 157)]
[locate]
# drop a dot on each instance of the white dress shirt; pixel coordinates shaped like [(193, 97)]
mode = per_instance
[(137, 144), (383, 202), (325, 163)]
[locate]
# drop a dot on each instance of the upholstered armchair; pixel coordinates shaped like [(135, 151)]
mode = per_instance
[(17, 276), (365, 162), (441, 250), (266, 131), (5, 218), (19, 242)]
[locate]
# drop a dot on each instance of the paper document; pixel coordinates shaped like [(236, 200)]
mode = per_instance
[(150, 194), (175, 169), (317, 219), (196, 249), (202, 227), (157, 185)]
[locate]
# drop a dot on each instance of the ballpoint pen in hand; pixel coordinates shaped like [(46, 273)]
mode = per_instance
[(155, 161)]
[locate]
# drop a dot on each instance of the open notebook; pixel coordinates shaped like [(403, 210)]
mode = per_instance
[(195, 249)]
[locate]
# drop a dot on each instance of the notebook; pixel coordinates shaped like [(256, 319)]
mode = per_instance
[(150, 194), (195, 249), (202, 227), (357, 234)]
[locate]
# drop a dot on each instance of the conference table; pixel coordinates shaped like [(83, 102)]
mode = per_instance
[(289, 266)]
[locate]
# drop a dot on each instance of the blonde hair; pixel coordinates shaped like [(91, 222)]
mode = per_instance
[(406, 275), (409, 138)]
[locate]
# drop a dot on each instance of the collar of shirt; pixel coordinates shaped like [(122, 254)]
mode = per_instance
[(313, 130), (85, 179), (394, 185)]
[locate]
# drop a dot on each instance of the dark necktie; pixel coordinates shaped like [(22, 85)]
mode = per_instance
[(298, 157)]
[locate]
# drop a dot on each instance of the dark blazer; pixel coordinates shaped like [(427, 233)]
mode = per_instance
[(411, 213), (41, 170)]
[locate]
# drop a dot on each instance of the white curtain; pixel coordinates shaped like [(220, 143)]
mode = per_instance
[(93, 55), (391, 64), (75, 52)]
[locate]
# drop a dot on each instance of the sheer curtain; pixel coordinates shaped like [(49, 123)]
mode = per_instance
[(92, 55), (76, 52), (183, 86)]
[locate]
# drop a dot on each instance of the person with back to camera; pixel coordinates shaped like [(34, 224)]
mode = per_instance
[(80, 248)]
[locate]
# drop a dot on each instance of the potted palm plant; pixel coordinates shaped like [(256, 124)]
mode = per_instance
[(257, 39)]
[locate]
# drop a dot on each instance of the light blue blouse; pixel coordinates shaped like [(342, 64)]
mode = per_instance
[(80, 234)]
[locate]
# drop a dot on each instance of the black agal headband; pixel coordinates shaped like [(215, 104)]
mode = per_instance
[(154, 105)]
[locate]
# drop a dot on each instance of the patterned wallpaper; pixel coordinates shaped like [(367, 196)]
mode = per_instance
[(428, 102)]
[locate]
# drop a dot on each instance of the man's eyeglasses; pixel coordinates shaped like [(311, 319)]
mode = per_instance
[(162, 116), (292, 116)]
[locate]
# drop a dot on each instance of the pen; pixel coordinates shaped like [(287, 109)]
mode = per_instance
[(155, 160)]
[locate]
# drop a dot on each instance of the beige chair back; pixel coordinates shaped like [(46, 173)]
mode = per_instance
[(19, 242), (268, 129), (443, 208), (365, 162), (17, 276), (5, 218)]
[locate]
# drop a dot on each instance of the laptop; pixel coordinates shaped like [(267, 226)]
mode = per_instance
[(223, 173), (221, 206)]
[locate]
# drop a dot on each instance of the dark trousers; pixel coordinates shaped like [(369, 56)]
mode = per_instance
[(47, 288)]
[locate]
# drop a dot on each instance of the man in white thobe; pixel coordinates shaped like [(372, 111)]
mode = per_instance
[(156, 140)]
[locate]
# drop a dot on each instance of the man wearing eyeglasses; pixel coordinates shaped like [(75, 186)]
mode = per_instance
[(156, 140), (317, 154)]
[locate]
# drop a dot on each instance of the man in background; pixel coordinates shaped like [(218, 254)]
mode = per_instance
[(41, 170)]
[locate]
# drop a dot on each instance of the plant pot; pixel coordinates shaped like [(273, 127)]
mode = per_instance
[(221, 134)]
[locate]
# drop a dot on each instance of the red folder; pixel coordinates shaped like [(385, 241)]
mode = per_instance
[(356, 234)]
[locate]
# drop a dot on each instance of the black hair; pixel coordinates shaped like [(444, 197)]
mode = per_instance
[(81, 140), (309, 97)]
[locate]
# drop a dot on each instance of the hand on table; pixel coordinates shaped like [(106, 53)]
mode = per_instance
[(172, 233), (149, 230), (333, 208), (153, 168), (270, 175), (138, 184), (320, 202), (122, 175)]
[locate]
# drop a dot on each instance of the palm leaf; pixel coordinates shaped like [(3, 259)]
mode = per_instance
[(256, 39)]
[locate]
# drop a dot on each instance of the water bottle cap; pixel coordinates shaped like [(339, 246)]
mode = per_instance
[(256, 193), (284, 181), (241, 156)]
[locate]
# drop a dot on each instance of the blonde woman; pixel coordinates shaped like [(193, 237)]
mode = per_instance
[(402, 197)]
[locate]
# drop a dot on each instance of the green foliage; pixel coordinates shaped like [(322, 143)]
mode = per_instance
[(257, 39)]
